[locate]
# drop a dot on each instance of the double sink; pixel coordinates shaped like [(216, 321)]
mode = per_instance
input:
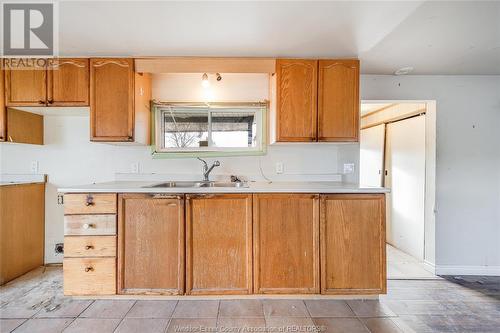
[(189, 184)]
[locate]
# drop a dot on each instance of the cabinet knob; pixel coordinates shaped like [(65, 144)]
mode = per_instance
[(89, 269), (50, 101), (41, 102), (88, 226), (89, 247), (89, 201)]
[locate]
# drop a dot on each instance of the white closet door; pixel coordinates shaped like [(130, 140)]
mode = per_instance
[(405, 167), (371, 159)]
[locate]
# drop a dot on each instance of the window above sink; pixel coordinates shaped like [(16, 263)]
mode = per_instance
[(209, 129)]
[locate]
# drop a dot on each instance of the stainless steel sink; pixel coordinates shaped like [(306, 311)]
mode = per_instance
[(187, 184)]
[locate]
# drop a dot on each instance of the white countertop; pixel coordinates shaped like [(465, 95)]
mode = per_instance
[(253, 187), (20, 179)]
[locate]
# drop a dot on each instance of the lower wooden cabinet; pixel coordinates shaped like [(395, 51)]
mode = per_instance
[(286, 243), (150, 244), (219, 244), (22, 228), (89, 276), (353, 244)]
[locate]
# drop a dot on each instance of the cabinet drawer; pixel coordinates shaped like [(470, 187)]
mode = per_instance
[(89, 225), (89, 276), (88, 203), (89, 246)]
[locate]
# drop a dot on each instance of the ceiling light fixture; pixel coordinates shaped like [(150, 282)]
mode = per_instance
[(404, 70), (204, 81)]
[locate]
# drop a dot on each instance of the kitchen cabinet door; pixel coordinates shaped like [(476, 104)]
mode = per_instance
[(338, 100), (219, 244), (150, 244), (25, 85), (112, 100), (353, 244), (296, 100), (286, 243), (68, 83), (3, 111)]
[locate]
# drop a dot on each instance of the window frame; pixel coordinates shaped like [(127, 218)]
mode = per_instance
[(158, 151)]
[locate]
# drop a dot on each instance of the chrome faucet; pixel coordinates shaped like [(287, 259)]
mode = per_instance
[(207, 170)]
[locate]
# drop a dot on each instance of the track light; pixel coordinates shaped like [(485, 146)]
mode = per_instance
[(204, 81)]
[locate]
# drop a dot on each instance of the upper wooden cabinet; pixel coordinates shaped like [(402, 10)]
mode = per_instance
[(338, 100), (286, 243), (68, 82), (315, 100), (296, 99), (219, 244), (353, 244), (25, 85), (111, 99), (3, 110), (150, 244)]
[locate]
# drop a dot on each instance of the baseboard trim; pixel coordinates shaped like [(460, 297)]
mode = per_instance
[(467, 270), (429, 267)]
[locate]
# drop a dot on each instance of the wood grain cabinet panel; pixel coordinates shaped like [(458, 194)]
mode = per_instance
[(111, 99), (68, 82), (22, 229), (338, 100), (25, 85), (3, 110), (286, 243), (151, 244), (24, 127), (353, 244), (219, 244), (89, 276), (89, 246), (296, 100), (90, 203)]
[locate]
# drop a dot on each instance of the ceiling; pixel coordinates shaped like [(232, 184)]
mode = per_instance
[(433, 37)]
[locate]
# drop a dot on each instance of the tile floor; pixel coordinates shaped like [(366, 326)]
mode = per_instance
[(34, 303), (403, 266)]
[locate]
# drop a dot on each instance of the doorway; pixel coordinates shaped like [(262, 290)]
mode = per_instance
[(397, 144)]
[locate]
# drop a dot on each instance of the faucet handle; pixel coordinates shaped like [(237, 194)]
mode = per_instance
[(203, 161), (217, 163)]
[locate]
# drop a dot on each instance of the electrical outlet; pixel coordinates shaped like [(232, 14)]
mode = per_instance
[(34, 167), (59, 248), (279, 167), (348, 168), (134, 167)]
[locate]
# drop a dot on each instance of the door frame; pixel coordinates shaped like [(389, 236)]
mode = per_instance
[(430, 178)]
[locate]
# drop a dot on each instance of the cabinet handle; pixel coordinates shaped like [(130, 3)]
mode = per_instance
[(50, 101), (10, 139), (88, 226), (89, 269), (89, 201), (165, 196), (89, 247), (41, 102)]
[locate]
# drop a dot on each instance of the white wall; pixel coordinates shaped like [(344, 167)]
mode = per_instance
[(468, 164), (69, 158)]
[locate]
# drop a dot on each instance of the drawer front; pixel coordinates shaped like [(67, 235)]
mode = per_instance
[(89, 276), (89, 225), (88, 203), (89, 246)]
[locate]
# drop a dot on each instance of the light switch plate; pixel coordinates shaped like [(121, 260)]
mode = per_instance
[(34, 167), (279, 167), (134, 167), (348, 168)]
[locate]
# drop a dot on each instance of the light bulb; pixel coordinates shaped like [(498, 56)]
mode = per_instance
[(204, 81)]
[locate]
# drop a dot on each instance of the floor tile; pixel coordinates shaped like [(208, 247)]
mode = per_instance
[(289, 324), (284, 308), (44, 325), (152, 309), (329, 308), (192, 325), (236, 325), (108, 309), (340, 325), (370, 308), (241, 308), (416, 307), (429, 323), (381, 325), (134, 325), (196, 309), (86, 325), (22, 312), (8, 325), (63, 308)]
